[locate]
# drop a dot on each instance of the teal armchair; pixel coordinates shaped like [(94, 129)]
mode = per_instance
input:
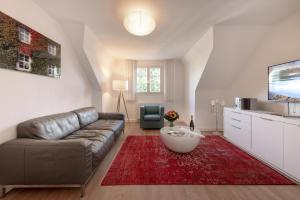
[(152, 117)]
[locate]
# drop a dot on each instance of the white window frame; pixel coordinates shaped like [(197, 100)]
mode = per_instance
[(53, 71), (22, 62), (52, 49), (148, 80), (24, 35)]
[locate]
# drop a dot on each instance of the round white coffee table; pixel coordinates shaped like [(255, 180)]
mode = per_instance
[(180, 139)]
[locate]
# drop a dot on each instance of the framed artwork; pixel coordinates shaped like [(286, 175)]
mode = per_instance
[(24, 49)]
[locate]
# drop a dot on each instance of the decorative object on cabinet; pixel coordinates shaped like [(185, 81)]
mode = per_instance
[(246, 103)]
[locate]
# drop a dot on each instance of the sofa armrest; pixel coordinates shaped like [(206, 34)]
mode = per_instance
[(45, 162), (162, 112), (142, 112), (113, 116)]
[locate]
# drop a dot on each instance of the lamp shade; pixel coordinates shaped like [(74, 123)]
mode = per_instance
[(120, 85)]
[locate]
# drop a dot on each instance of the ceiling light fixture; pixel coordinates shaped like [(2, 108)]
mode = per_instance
[(139, 23)]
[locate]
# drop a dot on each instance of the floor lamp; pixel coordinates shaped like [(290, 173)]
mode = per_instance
[(121, 85)]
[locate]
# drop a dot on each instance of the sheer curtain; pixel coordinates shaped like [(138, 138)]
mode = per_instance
[(131, 67), (169, 70)]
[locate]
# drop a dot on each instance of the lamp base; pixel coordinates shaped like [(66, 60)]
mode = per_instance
[(121, 96)]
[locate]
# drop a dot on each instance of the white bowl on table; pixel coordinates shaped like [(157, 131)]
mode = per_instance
[(180, 138)]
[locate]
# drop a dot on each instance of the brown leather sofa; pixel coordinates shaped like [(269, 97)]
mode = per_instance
[(59, 150)]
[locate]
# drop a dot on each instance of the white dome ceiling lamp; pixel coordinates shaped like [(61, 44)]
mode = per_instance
[(139, 23)]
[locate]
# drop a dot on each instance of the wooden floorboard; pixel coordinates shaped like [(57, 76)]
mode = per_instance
[(152, 192)]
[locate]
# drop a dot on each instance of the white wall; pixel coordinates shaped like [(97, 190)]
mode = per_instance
[(206, 120), (195, 61), (101, 63), (238, 65), (100, 60), (233, 46), (25, 96), (282, 44)]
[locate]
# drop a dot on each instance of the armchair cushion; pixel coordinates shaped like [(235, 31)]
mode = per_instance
[(149, 109), (152, 117)]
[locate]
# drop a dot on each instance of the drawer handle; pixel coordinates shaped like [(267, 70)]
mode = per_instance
[(236, 119), (266, 119), (236, 127)]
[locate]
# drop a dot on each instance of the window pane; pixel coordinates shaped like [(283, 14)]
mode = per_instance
[(141, 80), (154, 79), (21, 65)]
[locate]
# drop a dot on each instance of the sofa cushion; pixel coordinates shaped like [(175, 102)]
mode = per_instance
[(102, 141), (50, 127), (152, 117), (151, 109), (114, 125), (87, 115)]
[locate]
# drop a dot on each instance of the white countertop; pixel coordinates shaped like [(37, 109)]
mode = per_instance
[(267, 115)]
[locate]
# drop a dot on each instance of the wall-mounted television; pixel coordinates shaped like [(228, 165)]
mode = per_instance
[(284, 82)]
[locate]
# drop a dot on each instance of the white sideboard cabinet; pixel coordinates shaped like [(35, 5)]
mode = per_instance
[(271, 138)]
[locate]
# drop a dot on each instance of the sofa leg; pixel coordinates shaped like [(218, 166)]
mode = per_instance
[(2, 191), (82, 191)]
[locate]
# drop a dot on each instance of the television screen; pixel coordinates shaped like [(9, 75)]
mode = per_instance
[(284, 82)]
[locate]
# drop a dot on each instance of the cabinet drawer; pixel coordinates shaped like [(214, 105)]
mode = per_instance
[(238, 120), (241, 137), (237, 117), (237, 128), (240, 125)]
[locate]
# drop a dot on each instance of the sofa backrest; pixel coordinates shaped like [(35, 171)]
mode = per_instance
[(152, 109), (87, 115), (50, 127)]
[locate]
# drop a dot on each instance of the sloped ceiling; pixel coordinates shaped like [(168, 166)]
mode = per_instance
[(237, 38), (233, 45)]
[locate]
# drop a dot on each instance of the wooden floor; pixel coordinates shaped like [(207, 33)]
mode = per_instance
[(181, 192)]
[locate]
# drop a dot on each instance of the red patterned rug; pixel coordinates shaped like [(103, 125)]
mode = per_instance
[(144, 160)]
